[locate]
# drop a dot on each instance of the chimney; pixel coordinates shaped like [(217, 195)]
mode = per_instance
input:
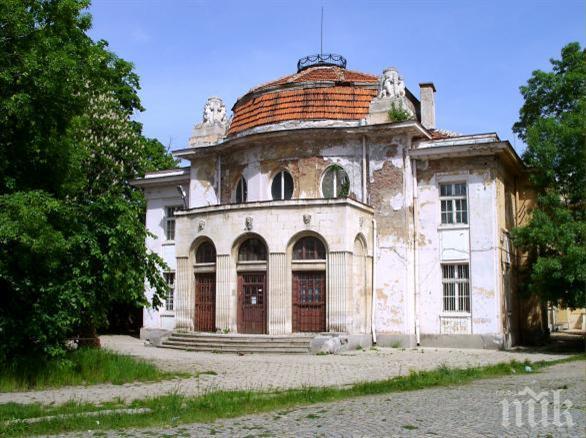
[(427, 98)]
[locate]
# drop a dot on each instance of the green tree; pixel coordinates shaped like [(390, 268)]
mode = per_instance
[(72, 236), (552, 123)]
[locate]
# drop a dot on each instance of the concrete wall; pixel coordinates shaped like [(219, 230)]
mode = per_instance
[(158, 199)]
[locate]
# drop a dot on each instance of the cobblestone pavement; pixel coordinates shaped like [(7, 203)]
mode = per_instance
[(470, 410), (266, 371)]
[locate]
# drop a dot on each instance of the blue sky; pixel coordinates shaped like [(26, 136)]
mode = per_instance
[(477, 53)]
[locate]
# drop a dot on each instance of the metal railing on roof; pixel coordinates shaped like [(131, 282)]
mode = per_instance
[(321, 59)]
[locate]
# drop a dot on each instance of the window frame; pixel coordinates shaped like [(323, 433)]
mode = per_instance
[(243, 247), (242, 188), (170, 222), (281, 174), (462, 298), (210, 250), (302, 245), (454, 200), (335, 168), (170, 303)]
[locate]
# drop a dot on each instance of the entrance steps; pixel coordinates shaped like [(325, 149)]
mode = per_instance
[(238, 343)]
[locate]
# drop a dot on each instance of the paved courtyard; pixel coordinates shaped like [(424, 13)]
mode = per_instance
[(266, 371), (472, 410)]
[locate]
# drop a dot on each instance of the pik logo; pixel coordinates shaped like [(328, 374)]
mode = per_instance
[(537, 409)]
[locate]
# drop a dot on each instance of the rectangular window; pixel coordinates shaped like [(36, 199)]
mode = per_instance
[(456, 284), (454, 206), (170, 222), (169, 299)]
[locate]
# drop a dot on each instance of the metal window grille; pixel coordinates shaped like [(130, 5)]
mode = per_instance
[(454, 205), (456, 286), (170, 222), (169, 299)]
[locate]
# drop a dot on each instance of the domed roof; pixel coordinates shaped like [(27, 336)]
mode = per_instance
[(314, 93)]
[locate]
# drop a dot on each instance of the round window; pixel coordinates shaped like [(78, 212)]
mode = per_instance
[(335, 183)]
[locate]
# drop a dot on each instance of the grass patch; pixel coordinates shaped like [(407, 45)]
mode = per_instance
[(86, 366), (174, 409)]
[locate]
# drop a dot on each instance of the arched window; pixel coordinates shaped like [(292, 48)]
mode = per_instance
[(206, 253), (241, 191), (282, 187), (335, 183), (252, 250), (309, 248)]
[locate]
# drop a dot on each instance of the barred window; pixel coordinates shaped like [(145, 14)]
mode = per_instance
[(454, 205), (456, 283), (170, 222), (169, 299)]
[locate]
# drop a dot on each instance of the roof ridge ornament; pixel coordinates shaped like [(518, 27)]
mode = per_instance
[(213, 126), (321, 59)]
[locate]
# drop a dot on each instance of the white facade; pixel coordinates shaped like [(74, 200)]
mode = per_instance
[(393, 271)]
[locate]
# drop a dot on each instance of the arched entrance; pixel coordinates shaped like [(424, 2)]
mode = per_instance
[(252, 286), (205, 287), (309, 285)]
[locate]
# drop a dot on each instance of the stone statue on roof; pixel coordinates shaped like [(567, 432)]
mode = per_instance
[(391, 84), (213, 127), (214, 112)]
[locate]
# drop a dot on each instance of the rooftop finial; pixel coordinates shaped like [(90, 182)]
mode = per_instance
[(321, 59), (321, 36)]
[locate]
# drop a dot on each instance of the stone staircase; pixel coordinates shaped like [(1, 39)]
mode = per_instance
[(237, 343)]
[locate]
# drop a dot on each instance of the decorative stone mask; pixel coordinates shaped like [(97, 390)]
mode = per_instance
[(248, 223), (307, 219)]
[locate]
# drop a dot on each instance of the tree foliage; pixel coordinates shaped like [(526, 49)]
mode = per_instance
[(72, 236), (552, 123)]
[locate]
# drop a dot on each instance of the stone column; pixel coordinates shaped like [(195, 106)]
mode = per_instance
[(184, 296), (337, 293), (279, 295), (223, 286)]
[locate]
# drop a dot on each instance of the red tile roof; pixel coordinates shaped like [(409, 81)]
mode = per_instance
[(314, 94)]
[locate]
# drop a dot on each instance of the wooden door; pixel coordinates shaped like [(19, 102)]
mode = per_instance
[(205, 302), (252, 302), (309, 301)]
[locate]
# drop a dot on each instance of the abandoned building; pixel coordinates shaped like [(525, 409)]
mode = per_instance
[(330, 205)]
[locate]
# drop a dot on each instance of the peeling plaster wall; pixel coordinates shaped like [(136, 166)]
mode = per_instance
[(475, 244), (523, 318), (390, 195), (158, 199), (306, 158), (203, 189)]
